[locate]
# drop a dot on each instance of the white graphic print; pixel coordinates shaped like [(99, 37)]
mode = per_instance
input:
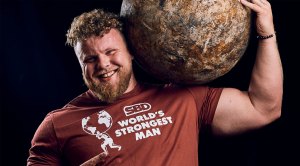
[(136, 108), (145, 124), (100, 131)]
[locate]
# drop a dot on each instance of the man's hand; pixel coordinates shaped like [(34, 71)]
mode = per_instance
[(97, 160), (264, 19)]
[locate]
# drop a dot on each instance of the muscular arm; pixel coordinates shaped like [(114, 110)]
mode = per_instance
[(242, 111)]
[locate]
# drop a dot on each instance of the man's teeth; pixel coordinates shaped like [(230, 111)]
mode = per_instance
[(107, 74)]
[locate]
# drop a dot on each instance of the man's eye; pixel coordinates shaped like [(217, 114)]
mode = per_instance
[(110, 52), (90, 60)]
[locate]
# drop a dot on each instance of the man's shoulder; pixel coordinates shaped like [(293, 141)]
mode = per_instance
[(189, 87), (75, 109), (177, 87), (86, 99)]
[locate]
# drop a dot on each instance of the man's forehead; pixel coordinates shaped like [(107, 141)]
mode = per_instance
[(89, 45), (100, 42)]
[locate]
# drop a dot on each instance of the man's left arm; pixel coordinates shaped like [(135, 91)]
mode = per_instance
[(239, 111)]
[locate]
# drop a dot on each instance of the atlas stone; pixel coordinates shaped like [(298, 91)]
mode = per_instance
[(187, 41)]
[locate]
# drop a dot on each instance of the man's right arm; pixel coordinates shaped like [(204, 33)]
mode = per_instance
[(44, 146)]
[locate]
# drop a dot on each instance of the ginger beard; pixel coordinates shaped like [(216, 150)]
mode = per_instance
[(106, 91)]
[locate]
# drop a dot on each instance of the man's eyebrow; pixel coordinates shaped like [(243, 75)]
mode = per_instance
[(110, 49)]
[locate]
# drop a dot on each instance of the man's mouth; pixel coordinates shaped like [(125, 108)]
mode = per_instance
[(108, 74)]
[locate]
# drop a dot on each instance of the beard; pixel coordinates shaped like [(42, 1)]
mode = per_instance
[(106, 91)]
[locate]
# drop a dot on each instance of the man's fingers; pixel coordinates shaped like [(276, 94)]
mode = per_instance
[(251, 5), (259, 3), (265, 2)]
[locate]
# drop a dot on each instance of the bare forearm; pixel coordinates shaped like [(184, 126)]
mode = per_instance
[(242, 111), (266, 86)]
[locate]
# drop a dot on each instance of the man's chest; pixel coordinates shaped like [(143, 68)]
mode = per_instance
[(138, 128)]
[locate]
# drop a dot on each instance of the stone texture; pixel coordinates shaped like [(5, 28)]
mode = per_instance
[(187, 41)]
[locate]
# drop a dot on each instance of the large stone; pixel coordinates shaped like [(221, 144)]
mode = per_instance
[(187, 41)]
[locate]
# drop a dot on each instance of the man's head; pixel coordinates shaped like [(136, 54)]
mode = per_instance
[(102, 53)]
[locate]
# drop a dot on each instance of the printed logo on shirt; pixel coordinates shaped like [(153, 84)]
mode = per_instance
[(136, 108), (104, 121), (143, 125)]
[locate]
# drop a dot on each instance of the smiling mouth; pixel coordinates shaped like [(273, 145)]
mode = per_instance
[(108, 74)]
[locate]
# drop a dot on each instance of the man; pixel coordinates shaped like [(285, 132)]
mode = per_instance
[(119, 121)]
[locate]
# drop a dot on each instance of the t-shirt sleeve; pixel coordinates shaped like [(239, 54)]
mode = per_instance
[(206, 99), (208, 109), (44, 146)]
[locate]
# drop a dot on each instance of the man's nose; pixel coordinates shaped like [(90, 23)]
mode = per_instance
[(103, 62)]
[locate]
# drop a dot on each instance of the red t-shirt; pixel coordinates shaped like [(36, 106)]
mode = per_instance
[(151, 125)]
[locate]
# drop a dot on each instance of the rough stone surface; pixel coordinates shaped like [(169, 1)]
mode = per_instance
[(187, 41)]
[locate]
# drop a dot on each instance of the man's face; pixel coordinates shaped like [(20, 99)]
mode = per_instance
[(106, 65)]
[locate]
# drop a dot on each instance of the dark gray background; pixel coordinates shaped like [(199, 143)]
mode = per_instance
[(39, 73)]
